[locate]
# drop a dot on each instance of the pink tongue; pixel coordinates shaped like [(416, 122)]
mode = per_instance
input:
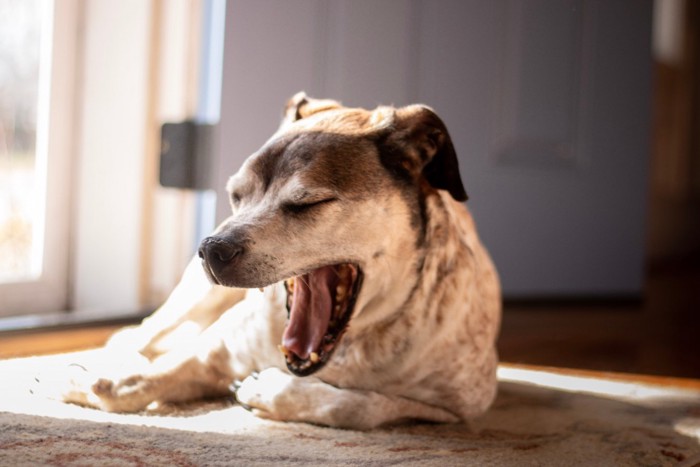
[(310, 312)]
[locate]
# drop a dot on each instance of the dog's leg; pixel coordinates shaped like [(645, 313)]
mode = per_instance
[(239, 342), (191, 308), (122, 374), (277, 395), (174, 377), (171, 378)]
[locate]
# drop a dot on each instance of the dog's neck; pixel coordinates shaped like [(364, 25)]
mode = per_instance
[(391, 281), (383, 331)]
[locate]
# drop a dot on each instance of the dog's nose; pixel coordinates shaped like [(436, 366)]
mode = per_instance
[(218, 252)]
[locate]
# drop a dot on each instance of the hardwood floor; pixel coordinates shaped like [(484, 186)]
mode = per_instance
[(28, 343), (660, 335)]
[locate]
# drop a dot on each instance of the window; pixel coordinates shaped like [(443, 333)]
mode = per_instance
[(20, 46), (36, 57), (94, 233)]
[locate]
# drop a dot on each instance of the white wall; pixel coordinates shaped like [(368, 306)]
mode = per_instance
[(112, 143)]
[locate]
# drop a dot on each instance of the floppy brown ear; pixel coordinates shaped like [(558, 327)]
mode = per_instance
[(302, 106), (424, 130)]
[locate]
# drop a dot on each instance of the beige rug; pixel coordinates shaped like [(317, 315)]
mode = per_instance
[(539, 418)]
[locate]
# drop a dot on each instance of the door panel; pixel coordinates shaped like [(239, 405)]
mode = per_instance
[(547, 101)]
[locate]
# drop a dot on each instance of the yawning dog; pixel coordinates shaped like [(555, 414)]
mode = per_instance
[(348, 288)]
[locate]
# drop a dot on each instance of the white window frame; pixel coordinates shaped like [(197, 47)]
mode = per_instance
[(54, 148)]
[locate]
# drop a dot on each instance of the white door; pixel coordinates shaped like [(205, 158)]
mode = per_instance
[(547, 101)]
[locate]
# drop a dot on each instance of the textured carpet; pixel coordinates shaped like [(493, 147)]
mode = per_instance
[(539, 418)]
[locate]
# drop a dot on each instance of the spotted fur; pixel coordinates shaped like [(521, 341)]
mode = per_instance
[(384, 193)]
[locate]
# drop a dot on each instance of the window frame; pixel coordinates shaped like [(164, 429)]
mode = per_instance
[(54, 149)]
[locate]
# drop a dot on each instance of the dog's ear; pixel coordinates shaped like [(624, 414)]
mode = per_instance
[(302, 106), (434, 154)]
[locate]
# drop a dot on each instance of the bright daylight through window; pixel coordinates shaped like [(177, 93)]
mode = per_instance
[(21, 187)]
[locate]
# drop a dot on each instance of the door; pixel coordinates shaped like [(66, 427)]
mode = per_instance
[(547, 101)]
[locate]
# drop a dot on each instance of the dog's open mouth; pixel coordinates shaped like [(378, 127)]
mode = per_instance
[(320, 304)]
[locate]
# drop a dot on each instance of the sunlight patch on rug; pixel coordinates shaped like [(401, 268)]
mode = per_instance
[(538, 418), (601, 387)]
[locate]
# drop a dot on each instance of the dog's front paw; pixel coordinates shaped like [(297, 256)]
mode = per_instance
[(122, 395), (109, 391), (131, 394), (276, 395), (268, 394)]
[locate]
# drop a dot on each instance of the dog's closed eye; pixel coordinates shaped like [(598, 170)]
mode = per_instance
[(304, 205)]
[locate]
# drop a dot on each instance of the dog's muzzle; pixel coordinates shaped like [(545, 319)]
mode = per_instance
[(217, 254)]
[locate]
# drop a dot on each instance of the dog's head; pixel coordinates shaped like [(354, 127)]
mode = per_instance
[(334, 200)]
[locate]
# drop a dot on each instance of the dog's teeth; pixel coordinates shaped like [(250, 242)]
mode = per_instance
[(285, 351), (340, 292), (313, 357)]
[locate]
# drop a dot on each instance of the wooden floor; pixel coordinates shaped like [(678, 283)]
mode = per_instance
[(660, 335), (42, 342)]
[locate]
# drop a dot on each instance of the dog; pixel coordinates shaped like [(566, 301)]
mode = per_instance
[(348, 288)]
